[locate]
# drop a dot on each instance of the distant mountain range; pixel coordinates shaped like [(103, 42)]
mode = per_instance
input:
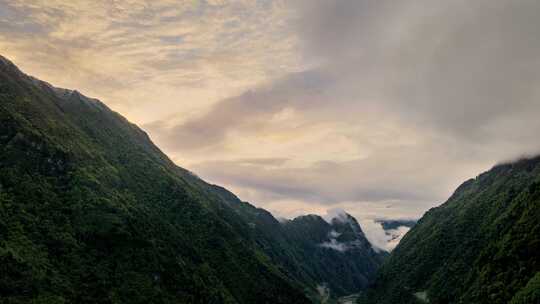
[(395, 224), (91, 211)]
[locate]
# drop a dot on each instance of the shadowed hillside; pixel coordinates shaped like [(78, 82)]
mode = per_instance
[(92, 211), (481, 246)]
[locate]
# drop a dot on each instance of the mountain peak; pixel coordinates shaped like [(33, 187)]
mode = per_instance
[(8, 66), (93, 200), (11, 69), (5, 61)]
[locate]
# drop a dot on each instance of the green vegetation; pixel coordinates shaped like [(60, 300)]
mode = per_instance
[(92, 212), (335, 253), (298, 248), (481, 246), (530, 293)]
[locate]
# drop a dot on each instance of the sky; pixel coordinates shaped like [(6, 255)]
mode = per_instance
[(379, 108)]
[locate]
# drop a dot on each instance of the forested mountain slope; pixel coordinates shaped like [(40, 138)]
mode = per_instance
[(334, 254), (92, 212), (481, 246)]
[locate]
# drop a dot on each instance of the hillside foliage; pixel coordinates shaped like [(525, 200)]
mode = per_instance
[(91, 211), (481, 246)]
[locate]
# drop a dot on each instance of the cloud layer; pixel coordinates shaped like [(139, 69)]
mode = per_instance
[(416, 96), (136, 54)]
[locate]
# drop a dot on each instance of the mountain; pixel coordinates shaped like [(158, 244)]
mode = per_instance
[(388, 225), (91, 211), (335, 255), (481, 246)]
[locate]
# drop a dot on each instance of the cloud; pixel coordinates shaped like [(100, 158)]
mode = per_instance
[(459, 67), (394, 236), (335, 245), (384, 175), (442, 90), (135, 54), (247, 111), (455, 66)]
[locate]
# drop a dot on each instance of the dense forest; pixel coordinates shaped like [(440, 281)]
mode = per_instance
[(481, 246), (92, 211)]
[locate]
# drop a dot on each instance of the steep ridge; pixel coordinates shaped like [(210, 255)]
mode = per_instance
[(337, 254), (333, 255), (92, 211), (481, 246)]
